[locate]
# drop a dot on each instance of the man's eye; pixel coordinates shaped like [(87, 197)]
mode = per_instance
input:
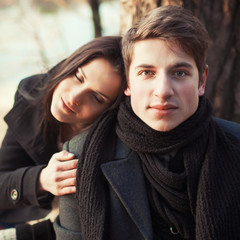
[(79, 79), (146, 73), (180, 74)]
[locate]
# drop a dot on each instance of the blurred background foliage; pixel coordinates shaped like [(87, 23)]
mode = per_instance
[(37, 34)]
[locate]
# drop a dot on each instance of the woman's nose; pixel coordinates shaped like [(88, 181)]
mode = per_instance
[(77, 95)]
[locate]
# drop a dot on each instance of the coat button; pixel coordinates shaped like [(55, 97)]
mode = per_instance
[(14, 194), (173, 231)]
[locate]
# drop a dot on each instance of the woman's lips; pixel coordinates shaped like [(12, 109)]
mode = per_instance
[(67, 107)]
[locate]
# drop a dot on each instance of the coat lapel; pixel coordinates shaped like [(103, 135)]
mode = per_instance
[(23, 121), (126, 178)]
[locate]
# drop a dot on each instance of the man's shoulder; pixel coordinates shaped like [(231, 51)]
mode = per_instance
[(75, 145), (231, 127), (122, 150)]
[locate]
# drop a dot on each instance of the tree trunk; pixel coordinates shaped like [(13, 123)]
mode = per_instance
[(94, 4), (222, 20), (131, 10)]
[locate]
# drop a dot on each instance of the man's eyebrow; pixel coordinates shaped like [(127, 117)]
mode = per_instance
[(144, 66), (100, 93), (183, 64), (179, 64)]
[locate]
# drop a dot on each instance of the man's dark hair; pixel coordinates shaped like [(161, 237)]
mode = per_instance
[(172, 24)]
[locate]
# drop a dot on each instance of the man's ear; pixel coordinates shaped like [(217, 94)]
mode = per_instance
[(127, 92), (203, 81)]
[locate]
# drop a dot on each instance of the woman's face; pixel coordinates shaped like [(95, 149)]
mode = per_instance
[(80, 99)]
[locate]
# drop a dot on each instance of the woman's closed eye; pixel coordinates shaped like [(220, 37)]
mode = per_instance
[(78, 78), (97, 98)]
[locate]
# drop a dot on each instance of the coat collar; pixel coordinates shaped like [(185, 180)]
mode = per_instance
[(125, 176), (23, 121)]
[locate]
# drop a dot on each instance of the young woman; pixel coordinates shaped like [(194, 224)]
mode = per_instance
[(49, 109)]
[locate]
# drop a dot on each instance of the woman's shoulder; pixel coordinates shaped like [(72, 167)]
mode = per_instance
[(27, 85)]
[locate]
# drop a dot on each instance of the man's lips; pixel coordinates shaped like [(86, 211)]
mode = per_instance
[(163, 110), (164, 107)]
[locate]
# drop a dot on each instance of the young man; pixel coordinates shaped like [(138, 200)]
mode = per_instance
[(171, 171)]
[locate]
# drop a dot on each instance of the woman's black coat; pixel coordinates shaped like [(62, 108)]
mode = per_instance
[(22, 157)]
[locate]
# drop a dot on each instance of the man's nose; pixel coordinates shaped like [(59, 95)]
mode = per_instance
[(162, 86)]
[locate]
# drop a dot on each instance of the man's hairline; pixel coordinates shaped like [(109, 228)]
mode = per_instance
[(169, 41)]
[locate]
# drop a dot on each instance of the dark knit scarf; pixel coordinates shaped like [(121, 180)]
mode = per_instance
[(91, 188), (206, 150), (211, 161), (167, 194)]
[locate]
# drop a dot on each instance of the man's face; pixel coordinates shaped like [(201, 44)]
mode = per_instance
[(163, 84)]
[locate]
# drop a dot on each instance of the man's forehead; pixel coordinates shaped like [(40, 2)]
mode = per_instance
[(157, 51)]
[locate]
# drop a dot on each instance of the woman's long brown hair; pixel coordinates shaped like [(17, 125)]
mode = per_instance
[(109, 48)]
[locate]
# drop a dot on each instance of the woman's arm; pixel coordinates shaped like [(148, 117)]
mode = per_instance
[(59, 177), (23, 183), (18, 176), (18, 171)]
